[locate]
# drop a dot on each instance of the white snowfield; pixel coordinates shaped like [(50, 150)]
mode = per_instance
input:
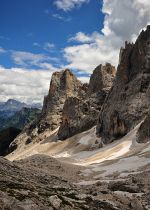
[(123, 156)]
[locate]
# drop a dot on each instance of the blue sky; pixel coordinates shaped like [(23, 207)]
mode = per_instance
[(40, 27), (38, 37)]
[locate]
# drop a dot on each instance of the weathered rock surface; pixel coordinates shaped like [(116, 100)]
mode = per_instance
[(143, 135), (81, 113), (63, 84), (24, 186), (129, 99), (101, 78)]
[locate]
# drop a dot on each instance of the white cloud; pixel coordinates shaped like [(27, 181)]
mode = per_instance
[(123, 21), (2, 50), (68, 5), (24, 85), (60, 17), (57, 16), (81, 37), (48, 46), (36, 44), (25, 59), (125, 18), (86, 57), (84, 79)]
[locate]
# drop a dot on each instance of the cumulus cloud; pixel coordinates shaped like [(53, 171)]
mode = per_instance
[(68, 5), (81, 37), (25, 59), (84, 79), (24, 85), (123, 21)]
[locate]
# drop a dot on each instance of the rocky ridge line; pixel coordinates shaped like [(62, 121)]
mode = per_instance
[(129, 98), (69, 104), (81, 114)]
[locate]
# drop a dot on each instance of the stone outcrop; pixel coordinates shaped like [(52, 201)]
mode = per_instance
[(129, 98), (81, 113), (62, 86), (44, 183), (101, 78), (143, 134)]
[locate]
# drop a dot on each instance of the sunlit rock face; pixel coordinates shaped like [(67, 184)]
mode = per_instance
[(101, 78), (63, 84), (81, 113), (129, 99)]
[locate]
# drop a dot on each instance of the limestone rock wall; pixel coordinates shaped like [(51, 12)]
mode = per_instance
[(81, 113), (62, 86), (129, 98)]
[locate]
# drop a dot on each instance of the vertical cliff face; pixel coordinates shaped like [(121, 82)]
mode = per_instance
[(101, 78), (63, 85), (129, 99), (143, 134), (81, 113)]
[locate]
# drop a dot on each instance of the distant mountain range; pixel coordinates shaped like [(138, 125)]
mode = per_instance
[(20, 118), (17, 114), (8, 108)]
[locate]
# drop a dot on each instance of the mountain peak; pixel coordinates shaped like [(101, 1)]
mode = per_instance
[(102, 77)]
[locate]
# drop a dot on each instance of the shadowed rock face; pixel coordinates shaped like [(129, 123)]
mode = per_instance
[(129, 99), (6, 137), (81, 113), (143, 135)]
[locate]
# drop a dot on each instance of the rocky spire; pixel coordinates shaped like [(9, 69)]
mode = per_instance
[(101, 78), (63, 84), (129, 98), (80, 114)]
